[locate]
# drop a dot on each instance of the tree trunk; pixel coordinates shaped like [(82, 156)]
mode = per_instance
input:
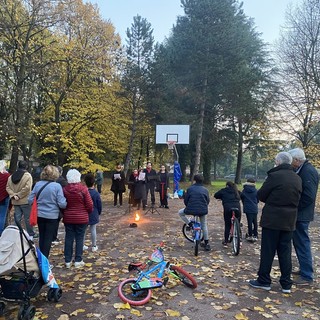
[(131, 141), (239, 154), (200, 130)]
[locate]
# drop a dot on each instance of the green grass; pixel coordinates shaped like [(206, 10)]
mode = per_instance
[(216, 185)]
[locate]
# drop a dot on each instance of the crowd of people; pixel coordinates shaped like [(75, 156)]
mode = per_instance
[(289, 196), (78, 204), (288, 193)]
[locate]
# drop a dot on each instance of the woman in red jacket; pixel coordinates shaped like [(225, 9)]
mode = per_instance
[(4, 197), (75, 217)]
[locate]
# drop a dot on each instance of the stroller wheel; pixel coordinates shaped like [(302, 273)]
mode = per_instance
[(54, 294), (2, 307), (26, 314)]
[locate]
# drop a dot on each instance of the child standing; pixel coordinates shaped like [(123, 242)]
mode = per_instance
[(250, 208), (97, 208)]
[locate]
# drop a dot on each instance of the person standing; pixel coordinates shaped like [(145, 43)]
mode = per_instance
[(50, 201), (131, 186), (99, 180), (196, 200), (163, 185), (140, 188), (4, 196), (281, 193), (63, 182), (230, 197), (95, 214), (118, 185), (301, 239), (249, 198), (151, 178), (19, 187), (75, 217)]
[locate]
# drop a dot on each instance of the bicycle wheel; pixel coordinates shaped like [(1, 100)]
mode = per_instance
[(184, 276), (187, 233), (134, 298), (236, 237)]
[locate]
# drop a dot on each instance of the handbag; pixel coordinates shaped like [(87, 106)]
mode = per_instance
[(33, 220)]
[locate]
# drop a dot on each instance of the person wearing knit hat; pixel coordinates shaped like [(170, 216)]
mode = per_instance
[(75, 217), (4, 196)]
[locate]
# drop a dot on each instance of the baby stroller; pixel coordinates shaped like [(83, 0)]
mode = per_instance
[(23, 272)]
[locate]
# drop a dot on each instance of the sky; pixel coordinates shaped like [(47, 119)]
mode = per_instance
[(269, 15)]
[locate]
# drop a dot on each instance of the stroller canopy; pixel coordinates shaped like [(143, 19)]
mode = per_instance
[(11, 255)]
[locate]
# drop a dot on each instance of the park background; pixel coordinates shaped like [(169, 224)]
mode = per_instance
[(75, 94)]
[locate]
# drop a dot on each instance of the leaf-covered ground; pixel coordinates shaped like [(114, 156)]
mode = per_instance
[(222, 293)]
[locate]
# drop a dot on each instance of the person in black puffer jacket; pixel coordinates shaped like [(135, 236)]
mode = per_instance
[(196, 200), (230, 197)]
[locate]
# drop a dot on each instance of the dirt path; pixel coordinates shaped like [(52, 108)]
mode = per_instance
[(222, 293)]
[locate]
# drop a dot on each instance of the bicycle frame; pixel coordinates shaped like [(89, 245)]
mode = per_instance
[(196, 228), (148, 282)]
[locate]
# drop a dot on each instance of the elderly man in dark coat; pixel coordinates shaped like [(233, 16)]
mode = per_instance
[(301, 239), (281, 193)]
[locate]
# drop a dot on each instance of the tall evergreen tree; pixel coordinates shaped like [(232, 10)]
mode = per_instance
[(136, 78)]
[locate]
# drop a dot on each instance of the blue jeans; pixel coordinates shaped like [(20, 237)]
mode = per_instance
[(74, 232), (3, 213), (24, 210), (302, 245), (272, 242)]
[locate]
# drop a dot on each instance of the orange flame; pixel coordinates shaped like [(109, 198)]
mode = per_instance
[(137, 217)]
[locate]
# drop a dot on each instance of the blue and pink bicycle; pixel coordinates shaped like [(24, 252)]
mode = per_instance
[(137, 291)]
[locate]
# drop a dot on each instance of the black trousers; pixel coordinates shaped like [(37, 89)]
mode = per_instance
[(252, 224), (272, 242), (150, 187), (115, 198), (47, 230)]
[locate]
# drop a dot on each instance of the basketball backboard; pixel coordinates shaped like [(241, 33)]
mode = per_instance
[(178, 133)]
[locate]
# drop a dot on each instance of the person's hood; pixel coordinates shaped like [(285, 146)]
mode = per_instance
[(17, 176), (249, 187)]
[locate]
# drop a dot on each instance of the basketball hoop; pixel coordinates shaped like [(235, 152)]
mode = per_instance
[(171, 144)]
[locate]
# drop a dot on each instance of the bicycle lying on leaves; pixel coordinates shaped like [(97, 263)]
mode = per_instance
[(137, 291)]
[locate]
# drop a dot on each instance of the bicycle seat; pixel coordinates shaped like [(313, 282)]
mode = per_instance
[(234, 209), (136, 266)]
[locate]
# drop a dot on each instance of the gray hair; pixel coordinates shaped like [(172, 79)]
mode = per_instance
[(284, 157), (298, 154)]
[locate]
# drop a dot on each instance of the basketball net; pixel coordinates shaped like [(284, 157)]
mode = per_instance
[(171, 144)]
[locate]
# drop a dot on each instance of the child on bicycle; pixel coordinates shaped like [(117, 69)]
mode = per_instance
[(250, 201), (196, 200), (230, 197)]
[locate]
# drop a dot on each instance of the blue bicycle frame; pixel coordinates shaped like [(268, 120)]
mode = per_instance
[(196, 229), (149, 282)]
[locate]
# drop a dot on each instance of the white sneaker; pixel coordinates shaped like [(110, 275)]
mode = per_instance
[(94, 248), (85, 247), (79, 264), (68, 265)]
